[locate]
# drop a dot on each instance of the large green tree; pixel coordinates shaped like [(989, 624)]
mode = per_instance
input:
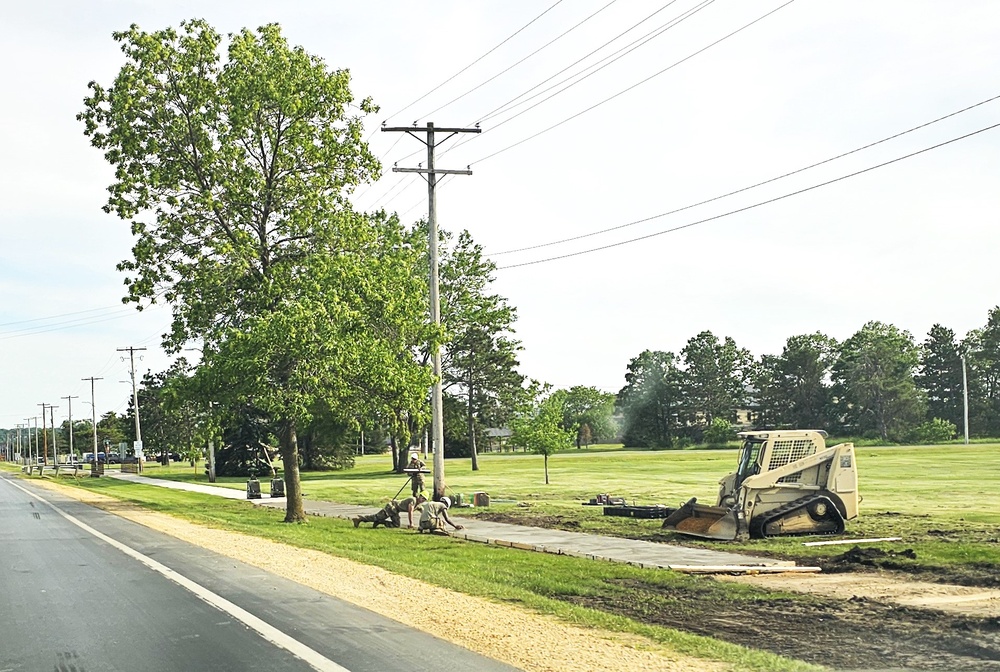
[(588, 413), (652, 401), (874, 374), (716, 377), (234, 175), (793, 389), (480, 357), (983, 359), (940, 375)]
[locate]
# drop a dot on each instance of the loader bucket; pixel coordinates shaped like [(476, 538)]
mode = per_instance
[(709, 522)]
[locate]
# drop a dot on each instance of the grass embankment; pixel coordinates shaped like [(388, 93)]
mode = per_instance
[(944, 501), (548, 584)]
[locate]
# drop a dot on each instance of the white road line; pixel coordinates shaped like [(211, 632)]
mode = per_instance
[(264, 629)]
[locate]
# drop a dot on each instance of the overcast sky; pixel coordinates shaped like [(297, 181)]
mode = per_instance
[(913, 243)]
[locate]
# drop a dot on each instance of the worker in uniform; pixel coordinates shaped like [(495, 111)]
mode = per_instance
[(433, 516), (416, 477), (409, 505), (388, 515)]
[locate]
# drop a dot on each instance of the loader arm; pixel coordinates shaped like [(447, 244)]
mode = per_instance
[(841, 478)]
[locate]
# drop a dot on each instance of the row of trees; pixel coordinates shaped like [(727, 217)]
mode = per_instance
[(878, 383)]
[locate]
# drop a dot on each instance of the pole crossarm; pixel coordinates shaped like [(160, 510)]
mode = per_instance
[(437, 129), (437, 171)]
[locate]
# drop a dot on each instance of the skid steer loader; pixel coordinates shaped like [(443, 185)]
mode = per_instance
[(786, 483)]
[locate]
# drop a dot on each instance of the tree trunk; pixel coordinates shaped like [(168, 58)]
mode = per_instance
[(472, 428), (546, 470), (397, 459), (294, 513)]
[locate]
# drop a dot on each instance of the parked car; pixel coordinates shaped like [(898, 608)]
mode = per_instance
[(101, 458), (114, 458)]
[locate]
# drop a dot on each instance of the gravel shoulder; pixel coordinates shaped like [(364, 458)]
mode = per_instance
[(507, 633)]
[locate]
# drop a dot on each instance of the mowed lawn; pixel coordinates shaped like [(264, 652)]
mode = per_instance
[(947, 482)]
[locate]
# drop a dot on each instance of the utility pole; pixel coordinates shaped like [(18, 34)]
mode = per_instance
[(137, 446), (69, 400), (52, 423), (95, 468), (965, 392), (430, 173), (28, 425), (45, 437)]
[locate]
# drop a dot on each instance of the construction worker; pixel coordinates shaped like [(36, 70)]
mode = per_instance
[(416, 476), (432, 514), (409, 505), (388, 515)]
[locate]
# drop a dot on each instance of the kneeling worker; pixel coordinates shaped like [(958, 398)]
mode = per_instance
[(432, 514)]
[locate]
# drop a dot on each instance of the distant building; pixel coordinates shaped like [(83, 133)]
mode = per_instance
[(495, 437)]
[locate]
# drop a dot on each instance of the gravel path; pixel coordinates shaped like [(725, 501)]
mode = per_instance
[(504, 632)]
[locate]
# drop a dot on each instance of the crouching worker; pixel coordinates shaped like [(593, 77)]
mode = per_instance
[(388, 515), (433, 516)]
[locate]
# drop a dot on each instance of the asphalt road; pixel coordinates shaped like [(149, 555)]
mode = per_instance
[(82, 590)]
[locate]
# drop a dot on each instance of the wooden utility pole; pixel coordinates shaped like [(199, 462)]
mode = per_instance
[(52, 423), (45, 436), (95, 469), (137, 446), (69, 400), (430, 173)]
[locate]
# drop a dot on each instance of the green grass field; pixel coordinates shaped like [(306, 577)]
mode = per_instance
[(944, 501)]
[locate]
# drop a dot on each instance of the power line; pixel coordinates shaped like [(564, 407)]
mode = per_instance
[(476, 61), (52, 317), (70, 324), (603, 63), (637, 84), (499, 108), (59, 326), (749, 207), (594, 69), (511, 67), (752, 186)]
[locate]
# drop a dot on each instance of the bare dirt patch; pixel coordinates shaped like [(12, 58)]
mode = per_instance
[(550, 522), (846, 634), (869, 609), (965, 601)]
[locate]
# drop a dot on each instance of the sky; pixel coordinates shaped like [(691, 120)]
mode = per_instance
[(723, 95)]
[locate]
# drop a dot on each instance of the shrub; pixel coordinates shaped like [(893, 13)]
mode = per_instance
[(935, 431), (718, 433)]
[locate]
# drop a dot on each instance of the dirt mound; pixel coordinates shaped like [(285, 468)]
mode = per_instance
[(870, 557), (531, 519)]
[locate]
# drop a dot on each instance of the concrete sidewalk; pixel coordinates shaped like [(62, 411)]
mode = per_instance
[(596, 547)]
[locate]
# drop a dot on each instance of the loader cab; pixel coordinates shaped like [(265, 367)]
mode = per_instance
[(750, 455)]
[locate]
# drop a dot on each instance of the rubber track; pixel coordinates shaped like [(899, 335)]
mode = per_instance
[(757, 528)]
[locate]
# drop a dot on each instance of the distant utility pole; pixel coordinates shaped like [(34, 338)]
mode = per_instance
[(52, 423), (45, 437), (95, 469), (30, 458), (137, 447), (430, 173), (69, 400)]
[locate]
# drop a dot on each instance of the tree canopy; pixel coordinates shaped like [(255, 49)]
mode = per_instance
[(233, 174)]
